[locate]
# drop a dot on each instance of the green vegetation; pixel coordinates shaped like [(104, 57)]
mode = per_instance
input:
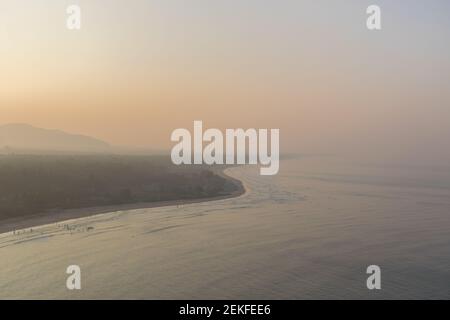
[(33, 184)]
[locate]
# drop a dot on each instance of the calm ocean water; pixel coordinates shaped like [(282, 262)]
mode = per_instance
[(308, 233)]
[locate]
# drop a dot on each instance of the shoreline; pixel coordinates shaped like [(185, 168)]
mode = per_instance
[(12, 224)]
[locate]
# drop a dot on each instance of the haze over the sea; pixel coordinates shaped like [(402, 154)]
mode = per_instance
[(139, 69)]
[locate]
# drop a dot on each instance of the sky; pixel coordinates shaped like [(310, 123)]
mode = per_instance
[(138, 69)]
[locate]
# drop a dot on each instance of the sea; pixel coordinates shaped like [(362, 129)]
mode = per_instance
[(310, 232)]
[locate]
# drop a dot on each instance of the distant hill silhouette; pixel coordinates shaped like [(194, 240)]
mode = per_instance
[(24, 138)]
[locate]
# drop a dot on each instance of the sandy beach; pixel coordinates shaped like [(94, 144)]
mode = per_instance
[(8, 225)]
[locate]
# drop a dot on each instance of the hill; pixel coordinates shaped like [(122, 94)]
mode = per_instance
[(17, 138)]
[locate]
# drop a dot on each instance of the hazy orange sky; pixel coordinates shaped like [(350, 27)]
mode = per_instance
[(139, 69)]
